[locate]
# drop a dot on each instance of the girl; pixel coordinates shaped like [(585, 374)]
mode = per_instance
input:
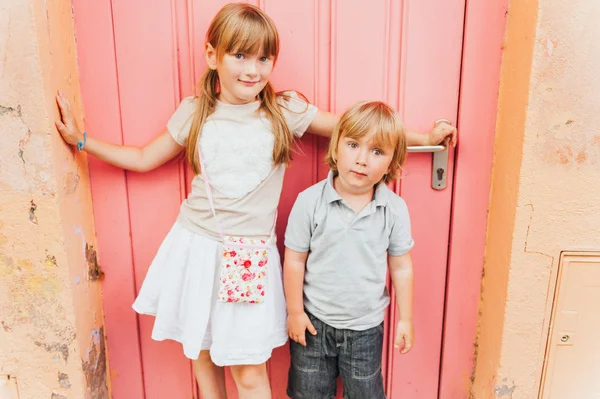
[(215, 284)]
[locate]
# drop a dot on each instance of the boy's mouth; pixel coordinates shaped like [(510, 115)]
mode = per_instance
[(359, 174)]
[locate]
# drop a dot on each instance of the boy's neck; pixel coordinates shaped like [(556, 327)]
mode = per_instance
[(356, 200)]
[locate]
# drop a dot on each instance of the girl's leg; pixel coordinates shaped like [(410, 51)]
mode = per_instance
[(252, 381), (210, 377)]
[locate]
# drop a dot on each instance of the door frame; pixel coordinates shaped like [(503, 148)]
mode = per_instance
[(485, 25)]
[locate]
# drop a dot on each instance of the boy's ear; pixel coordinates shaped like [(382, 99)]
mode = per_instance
[(211, 56)]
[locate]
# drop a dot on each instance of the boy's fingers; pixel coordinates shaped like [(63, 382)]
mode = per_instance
[(311, 328), (302, 340)]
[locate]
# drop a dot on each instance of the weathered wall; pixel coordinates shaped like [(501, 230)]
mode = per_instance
[(52, 336), (545, 198)]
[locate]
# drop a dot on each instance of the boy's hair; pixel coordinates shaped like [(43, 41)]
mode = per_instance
[(361, 119), (240, 28)]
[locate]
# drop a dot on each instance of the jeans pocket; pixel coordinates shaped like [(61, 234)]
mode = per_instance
[(367, 348), (307, 358)]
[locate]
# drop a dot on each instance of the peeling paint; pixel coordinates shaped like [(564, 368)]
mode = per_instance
[(32, 217), (504, 391), (55, 347), (63, 380), (94, 366), (5, 326), (5, 110), (50, 261), (94, 270)]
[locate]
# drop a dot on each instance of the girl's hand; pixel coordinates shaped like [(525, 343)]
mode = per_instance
[(440, 132), (297, 324), (67, 126), (404, 336)]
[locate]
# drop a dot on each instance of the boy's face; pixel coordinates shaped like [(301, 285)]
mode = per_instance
[(361, 164)]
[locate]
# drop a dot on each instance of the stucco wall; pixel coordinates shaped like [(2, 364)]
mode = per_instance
[(51, 335), (545, 198)]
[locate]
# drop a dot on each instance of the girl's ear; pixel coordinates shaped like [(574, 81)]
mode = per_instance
[(211, 56)]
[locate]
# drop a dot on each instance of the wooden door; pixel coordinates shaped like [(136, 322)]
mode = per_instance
[(138, 58)]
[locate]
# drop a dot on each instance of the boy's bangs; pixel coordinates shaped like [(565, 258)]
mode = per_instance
[(243, 38), (386, 133)]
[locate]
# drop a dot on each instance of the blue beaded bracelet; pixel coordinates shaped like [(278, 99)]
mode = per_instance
[(80, 144)]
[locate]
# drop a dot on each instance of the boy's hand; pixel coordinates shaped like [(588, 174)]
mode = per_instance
[(297, 324), (441, 131), (404, 336), (67, 126)]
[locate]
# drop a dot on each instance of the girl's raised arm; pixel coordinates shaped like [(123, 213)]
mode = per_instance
[(137, 159)]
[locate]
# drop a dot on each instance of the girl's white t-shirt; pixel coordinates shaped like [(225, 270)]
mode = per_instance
[(237, 150)]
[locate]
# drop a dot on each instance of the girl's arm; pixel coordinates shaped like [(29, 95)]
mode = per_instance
[(401, 272), (293, 283), (325, 122), (137, 159)]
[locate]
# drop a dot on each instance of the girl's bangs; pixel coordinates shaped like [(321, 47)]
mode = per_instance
[(251, 36)]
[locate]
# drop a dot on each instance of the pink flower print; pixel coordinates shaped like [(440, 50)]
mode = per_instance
[(247, 263), (232, 253), (230, 292), (262, 262), (259, 287), (246, 276), (262, 293)]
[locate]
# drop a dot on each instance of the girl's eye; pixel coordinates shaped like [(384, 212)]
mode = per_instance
[(353, 145), (378, 152), (264, 59), (239, 56)]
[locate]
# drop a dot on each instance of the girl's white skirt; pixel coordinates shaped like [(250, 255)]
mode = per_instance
[(181, 288)]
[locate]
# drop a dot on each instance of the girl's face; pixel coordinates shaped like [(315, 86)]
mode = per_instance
[(241, 76)]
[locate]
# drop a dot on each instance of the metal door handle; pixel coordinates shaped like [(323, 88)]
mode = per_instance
[(439, 170)]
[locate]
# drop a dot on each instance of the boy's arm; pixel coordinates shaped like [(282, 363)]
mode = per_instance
[(401, 272), (293, 282), (324, 123)]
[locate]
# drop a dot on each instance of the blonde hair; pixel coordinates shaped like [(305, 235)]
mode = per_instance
[(360, 120), (244, 28)]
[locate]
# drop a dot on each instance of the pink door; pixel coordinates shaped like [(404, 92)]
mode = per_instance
[(139, 58)]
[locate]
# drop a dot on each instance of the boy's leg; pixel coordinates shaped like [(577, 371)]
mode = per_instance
[(360, 364), (313, 369)]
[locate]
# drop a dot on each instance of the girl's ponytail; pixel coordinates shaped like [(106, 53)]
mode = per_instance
[(206, 104), (282, 147)]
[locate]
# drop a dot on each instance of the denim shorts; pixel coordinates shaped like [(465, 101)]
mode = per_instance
[(355, 355)]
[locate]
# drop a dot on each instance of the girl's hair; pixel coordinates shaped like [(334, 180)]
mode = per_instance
[(360, 120), (240, 28)]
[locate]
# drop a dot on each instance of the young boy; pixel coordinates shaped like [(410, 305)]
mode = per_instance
[(342, 234)]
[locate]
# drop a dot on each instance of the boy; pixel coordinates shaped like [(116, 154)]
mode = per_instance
[(341, 236)]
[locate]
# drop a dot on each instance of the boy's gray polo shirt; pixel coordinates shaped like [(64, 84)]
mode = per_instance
[(344, 281)]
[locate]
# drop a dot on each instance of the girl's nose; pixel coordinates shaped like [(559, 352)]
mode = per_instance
[(251, 69)]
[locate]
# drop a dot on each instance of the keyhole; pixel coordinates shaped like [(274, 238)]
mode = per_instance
[(440, 173)]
